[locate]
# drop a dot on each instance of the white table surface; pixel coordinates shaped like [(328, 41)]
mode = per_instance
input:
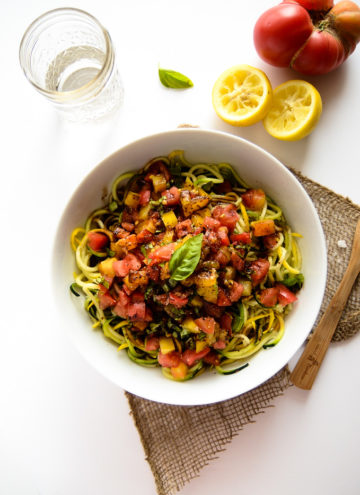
[(64, 429)]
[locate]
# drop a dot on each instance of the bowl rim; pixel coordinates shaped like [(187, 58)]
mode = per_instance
[(221, 395)]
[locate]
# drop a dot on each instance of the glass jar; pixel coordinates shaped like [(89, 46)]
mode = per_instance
[(68, 56)]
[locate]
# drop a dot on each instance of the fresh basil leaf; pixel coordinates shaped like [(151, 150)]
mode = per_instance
[(185, 259), (174, 80)]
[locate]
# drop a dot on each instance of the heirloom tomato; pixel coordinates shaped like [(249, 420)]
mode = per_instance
[(312, 37)]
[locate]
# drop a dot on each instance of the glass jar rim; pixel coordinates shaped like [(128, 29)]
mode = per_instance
[(82, 90)]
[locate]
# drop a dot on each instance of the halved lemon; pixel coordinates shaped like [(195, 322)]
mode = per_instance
[(242, 95), (295, 110)]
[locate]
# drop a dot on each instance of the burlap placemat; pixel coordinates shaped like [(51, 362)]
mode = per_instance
[(164, 429)]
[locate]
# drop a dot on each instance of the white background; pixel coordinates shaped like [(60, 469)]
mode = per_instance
[(65, 430)]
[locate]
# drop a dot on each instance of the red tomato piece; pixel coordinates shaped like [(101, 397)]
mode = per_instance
[(145, 195), (144, 237), (222, 234), (254, 199), (121, 308), (211, 223), (269, 297), (106, 300), (235, 291), (259, 269), (212, 358), (122, 267), (136, 311), (219, 344), (223, 299), (177, 300), (227, 215), (225, 322), (172, 196), (152, 343), (243, 238), (128, 226), (270, 241), (153, 272), (237, 262), (286, 296), (190, 357), (137, 296), (97, 241), (223, 256), (169, 360), (206, 324), (183, 228), (162, 253)]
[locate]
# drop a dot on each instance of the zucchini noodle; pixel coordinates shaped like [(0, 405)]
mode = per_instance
[(231, 303)]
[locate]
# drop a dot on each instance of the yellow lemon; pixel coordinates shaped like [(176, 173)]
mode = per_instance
[(295, 110), (242, 95)]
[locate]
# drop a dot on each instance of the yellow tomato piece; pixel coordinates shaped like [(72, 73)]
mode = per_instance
[(242, 95), (169, 219), (295, 110)]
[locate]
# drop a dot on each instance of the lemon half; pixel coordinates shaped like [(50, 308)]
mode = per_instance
[(295, 110), (242, 95)]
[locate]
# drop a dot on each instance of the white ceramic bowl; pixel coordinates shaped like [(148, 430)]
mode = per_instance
[(259, 169)]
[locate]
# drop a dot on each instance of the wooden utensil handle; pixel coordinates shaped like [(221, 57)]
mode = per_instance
[(307, 367)]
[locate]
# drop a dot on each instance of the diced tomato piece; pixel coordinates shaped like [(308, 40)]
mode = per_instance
[(211, 223), (237, 262), (212, 240), (259, 269), (109, 280), (286, 296), (128, 226), (235, 291), (219, 344), (227, 215), (162, 299), (212, 358), (145, 194), (106, 300), (269, 297), (206, 324), (223, 299), (148, 314), (122, 267), (225, 322), (183, 228), (223, 256), (144, 237), (162, 253), (263, 227), (152, 343), (212, 309), (190, 357), (137, 296), (136, 311), (153, 272), (254, 199), (123, 298), (97, 241), (223, 188), (177, 299), (222, 233), (169, 360), (243, 238), (270, 241), (172, 196), (121, 308)]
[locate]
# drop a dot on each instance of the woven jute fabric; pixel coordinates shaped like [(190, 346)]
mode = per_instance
[(164, 429)]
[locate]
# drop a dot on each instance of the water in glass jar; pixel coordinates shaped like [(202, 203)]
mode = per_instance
[(73, 68)]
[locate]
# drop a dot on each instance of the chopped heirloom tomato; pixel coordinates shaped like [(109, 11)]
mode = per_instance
[(211, 223), (190, 357), (152, 343), (212, 358), (286, 296), (219, 344), (178, 300), (162, 253), (212, 309), (254, 199), (225, 322), (97, 241), (259, 269), (222, 234), (269, 297), (237, 262), (137, 311), (172, 196), (206, 324), (153, 272), (128, 226), (263, 227), (183, 228), (144, 237), (145, 195), (243, 238), (122, 267), (169, 360), (270, 241), (235, 291), (227, 215), (106, 300), (223, 299), (223, 256)]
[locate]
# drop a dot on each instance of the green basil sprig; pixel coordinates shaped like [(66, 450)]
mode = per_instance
[(185, 259), (174, 80)]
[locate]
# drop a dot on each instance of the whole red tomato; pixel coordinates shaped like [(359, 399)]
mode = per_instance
[(311, 36)]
